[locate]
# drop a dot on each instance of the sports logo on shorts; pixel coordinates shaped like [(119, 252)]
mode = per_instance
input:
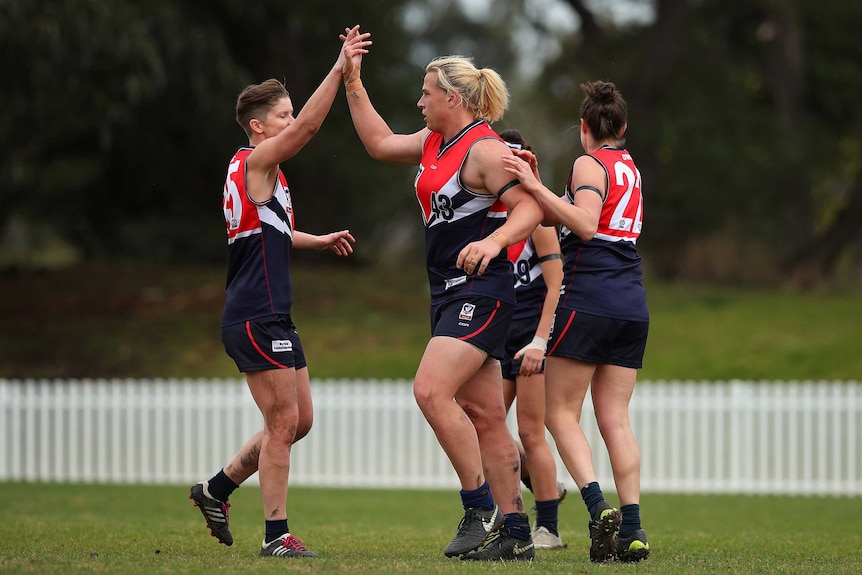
[(281, 345), (467, 311)]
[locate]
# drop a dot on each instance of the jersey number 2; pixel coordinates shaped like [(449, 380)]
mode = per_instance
[(631, 181)]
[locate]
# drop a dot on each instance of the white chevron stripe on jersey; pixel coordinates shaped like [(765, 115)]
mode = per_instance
[(269, 217), (245, 234)]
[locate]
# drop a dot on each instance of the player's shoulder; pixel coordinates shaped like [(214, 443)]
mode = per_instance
[(489, 149), (588, 163)]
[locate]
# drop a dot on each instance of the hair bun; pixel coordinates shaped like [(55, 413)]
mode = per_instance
[(605, 92)]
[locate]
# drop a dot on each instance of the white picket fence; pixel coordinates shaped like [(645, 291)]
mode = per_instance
[(699, 437)]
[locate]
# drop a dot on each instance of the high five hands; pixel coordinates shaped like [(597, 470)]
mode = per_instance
[(355, 45)]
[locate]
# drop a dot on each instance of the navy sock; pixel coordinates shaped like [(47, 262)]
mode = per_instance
[(221, 486), (546, 515), (480, 497), (592, 495), (517, 525), (275, 529), (631, 519)]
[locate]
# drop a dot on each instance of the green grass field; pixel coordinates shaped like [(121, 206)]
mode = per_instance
[(51, 528), (114, 320), (138, 320)]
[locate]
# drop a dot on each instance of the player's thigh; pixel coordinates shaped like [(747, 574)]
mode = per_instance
[(274, 392), (566, 385), (446, 366), (612, 389)]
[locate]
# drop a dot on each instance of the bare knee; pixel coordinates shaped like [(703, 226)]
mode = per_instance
[(531, 436), (613, 424), (424, 400), (479, 414), (281, 427), (429, 400)]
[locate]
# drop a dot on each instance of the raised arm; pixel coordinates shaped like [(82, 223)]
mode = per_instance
[(379, 140), (272, 151)]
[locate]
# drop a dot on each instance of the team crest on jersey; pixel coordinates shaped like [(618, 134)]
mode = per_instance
[(280, 345), (467, 311)]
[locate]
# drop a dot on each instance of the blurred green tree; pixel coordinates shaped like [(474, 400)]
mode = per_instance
[(743, 119), (743, 123)]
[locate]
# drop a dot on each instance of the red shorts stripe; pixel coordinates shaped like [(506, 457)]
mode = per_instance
[(483, 326), (559, 338), (259, 350)]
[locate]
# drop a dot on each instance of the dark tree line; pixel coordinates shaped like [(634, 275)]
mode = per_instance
[(744, 120)]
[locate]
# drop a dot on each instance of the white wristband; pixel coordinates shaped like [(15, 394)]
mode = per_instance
[(538, 343)]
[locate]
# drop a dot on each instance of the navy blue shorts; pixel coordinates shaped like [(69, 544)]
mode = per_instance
[(520, 334), (481, 321), (264, 343), (598, 340)]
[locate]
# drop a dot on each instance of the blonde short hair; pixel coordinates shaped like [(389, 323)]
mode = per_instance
[(481, 90)]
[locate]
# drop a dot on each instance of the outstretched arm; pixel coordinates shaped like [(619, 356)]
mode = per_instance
[(262, 164), (339, 242), (379, 140), (582, 217), (293, 138)]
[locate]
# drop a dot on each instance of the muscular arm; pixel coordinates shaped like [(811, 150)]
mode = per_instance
[(484, 172), (379, 140)]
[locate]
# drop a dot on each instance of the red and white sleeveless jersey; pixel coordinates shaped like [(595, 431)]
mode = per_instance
[(602, 276), (622, 212), (260, 238), (454, 216)]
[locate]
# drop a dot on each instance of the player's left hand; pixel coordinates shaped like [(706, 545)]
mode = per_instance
[(533, 355)]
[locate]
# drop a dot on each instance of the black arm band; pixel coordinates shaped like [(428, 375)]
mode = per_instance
[(549, 257), (511, 184), (596, 190)]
